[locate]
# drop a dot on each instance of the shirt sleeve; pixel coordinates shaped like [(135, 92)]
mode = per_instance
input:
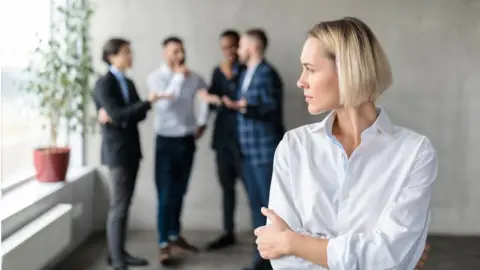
[(121, 115), (203, 109), (163, 84), (399, 236), (282, 202), (214, 88)]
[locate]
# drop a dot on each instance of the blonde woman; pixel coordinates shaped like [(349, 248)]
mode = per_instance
[(353, 191)]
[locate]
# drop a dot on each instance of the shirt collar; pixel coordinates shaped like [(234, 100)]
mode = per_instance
[(117, 73), (382, 124), (253, 68)]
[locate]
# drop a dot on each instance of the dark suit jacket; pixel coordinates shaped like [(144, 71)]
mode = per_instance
[(120, 139), (260, 127)]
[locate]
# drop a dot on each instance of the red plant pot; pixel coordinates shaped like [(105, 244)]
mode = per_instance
[(51, 164)]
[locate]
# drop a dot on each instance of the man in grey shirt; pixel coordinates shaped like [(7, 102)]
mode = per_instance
[(177, 125)]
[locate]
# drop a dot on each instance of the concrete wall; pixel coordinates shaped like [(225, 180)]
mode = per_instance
[(434, 51)]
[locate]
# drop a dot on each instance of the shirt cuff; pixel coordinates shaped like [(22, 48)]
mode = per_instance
[(336, 247), (292, 262), (202, 122)]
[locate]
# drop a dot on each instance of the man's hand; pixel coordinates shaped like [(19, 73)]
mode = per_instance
[(234, 105), (103, 117), (209, 98), (423, 259), (153, 96), (229, 103), (199, 132), (181, 69), (272, 239), (242, 103)]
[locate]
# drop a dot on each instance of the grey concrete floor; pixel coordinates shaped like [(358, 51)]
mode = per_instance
[(448, 253)]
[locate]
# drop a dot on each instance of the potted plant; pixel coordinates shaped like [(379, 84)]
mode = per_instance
[(59, 81)]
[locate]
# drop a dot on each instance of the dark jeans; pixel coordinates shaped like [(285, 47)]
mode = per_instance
[(123, 185), (257, 179), (173, 164), (229, 169)]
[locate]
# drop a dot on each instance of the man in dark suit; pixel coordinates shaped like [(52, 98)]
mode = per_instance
[(259, 123), (119, 111)]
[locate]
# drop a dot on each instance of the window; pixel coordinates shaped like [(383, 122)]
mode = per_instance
[(22, 23)]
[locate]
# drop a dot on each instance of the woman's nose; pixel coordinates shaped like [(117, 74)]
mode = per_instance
[(302, 84)]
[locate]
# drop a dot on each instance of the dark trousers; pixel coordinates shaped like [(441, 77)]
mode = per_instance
[(173, 164), (123, 185), (229, 169), (257, 179)]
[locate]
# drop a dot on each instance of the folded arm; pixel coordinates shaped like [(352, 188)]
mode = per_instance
[(119, 113), (398, 238), (282, 202)]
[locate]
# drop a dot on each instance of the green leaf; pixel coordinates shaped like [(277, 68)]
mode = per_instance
[(59, 76)]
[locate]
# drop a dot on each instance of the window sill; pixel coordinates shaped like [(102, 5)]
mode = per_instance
[(30, 191), (20, 180)]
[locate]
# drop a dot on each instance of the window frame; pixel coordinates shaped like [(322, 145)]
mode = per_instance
[(26, 176)]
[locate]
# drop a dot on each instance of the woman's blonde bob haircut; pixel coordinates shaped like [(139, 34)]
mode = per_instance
[(363, 69)]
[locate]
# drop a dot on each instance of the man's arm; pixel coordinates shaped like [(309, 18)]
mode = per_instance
[(268, 99), (135, 98), (395, 242), (281, 201), (203, 110), (214, 91), (117, 112), (168, 87)]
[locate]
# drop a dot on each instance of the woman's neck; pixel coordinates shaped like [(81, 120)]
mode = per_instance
[(349, 123)]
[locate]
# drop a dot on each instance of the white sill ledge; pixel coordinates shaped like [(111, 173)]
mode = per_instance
[(33, 191)]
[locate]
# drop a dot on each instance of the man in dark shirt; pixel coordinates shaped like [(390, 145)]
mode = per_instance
[(224, 141)]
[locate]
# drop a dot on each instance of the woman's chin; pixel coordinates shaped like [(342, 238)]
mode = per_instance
[(313, 110)]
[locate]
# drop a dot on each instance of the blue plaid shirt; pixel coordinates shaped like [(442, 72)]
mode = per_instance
[(260, 127)]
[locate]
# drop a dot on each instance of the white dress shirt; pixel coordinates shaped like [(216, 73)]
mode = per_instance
[(181, 115), (374, 207), (248, 77)]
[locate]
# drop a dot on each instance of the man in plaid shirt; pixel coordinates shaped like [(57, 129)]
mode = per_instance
[(259, 122)]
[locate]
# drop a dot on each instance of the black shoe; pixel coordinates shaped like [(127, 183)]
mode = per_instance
[(120, 268), (223, 241), (182, 245), (130, 260)]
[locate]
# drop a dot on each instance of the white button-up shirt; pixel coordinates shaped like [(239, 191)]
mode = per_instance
[(181, 115), (372, 207), (248, 77)]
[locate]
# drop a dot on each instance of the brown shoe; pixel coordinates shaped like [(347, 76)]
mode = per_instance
[(182, 245), (165, 256)]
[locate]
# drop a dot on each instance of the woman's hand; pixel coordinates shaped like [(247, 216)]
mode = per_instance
[(423, 259), (273, 239)]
